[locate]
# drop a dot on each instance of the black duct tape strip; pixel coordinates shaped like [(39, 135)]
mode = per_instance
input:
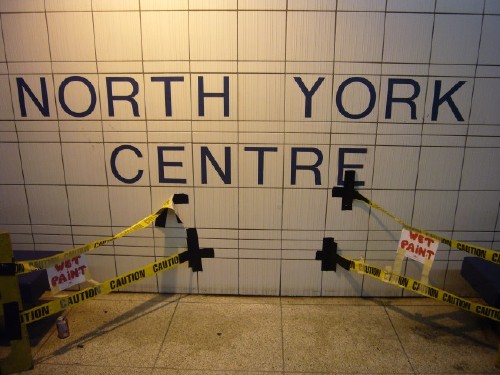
[(161, 220), (344, 263), (328, 254), (347, 192), (7, 269), (12, 321), (194, 253), (329, 257), (180, 199)]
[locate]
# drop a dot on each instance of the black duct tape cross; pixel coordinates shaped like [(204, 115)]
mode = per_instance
[(348, 193), (329, 257), (194, 254), (161, 220)]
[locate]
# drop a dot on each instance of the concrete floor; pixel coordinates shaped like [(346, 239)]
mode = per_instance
[(129, 333)]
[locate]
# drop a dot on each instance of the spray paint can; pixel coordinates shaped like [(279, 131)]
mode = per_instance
[(62, 327)]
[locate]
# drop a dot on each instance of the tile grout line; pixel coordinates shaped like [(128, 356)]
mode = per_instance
[(166, 332), (399, 339), (282, 337)]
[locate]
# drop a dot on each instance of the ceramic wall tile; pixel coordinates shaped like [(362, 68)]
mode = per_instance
[(304, 208), (167, 97), (216, 207), (216, 96), (36, 107), (308, 167), (128, 164), (170, 164), (361, 5), (6, 104), (36, 157), (485, 101), (213, 35), (125, 264), (456, 113), (439, 168), (303, 29), (260, 208), (359, 36), (48, 204), (435, 210), (117, 36), (475, 211), (89, 205), (122, 96), (78, 41), (178, 280), (399, 202), (408, 37), (423, 6), (25, 43), (101, 267), (128, 204), (260, 165), (14, 201), (219, 276), (477, 172), (460, 6), (300, 277), (395, 167), (10, 168), (309, 97), (261, 97), (215, 165), (261, 35), (78, 97), (456, 39), (89, 170), (165, 35), (259, 277), (355, 98)]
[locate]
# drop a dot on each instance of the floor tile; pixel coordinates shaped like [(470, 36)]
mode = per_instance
[(443, 339), (200, 298), (224, 337), (341, 339), (71, 369), (111, 333), (165, 371), (355, 301)]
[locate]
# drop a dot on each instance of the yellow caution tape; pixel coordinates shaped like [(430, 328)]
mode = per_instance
[(482, 252), (416, 286), (34, 265), (106, 287)]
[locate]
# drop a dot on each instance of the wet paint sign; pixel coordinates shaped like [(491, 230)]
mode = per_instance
[(418, 246), (68, 273)]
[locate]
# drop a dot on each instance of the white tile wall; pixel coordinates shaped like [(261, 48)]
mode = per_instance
[(360, 36), (303, 30), (408, 37), (261, 35), (456, 39), (57, 184), (213, 35)]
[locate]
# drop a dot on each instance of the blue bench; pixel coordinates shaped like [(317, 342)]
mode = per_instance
[(484, 277), (32, 285)]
